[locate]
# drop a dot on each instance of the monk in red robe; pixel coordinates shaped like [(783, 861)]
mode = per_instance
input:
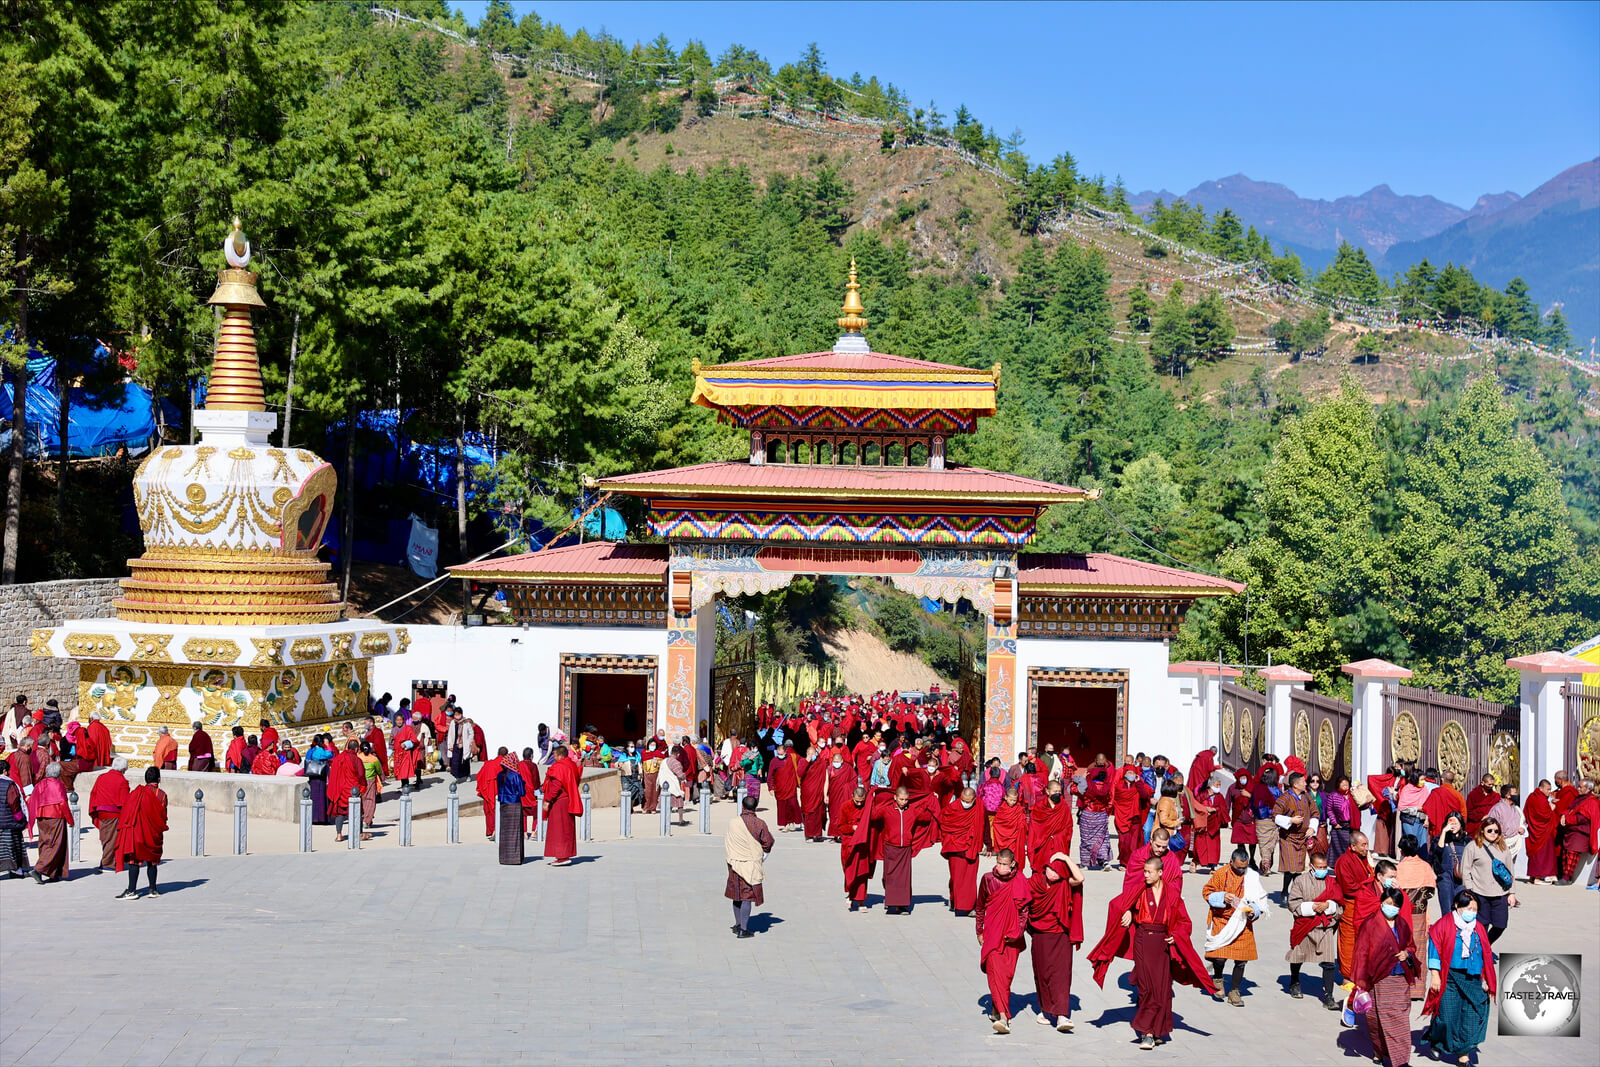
[(855, 849), (106, 799), (141, 833), (380, 746), (841, 783), (1159, 847), (1009, 828), (233, 760), (202, 757), (408, 755), (1001, 916), (1441, 802), (95, 748), (1384, 811), (814, 796), (530, 784), (783, 778), (1055, 923), (1150, 926), (1049, 827), (907, 827), (1130, 799), (269, 736), (563, 805), (51, 817), (266, 762), (1484, 796), (1360, 896), (346, 773), (1539, 816), (1579, 833), (863, 755), (960, 839)]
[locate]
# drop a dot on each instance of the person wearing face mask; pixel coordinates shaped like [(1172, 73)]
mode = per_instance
[(1130, 799), (960, 839), (1049, 826), (1360, 896), (1316, 904), (1384, 967), (1009, 828), (1237, 898), (1094, 813), (1461, 981), (880, 768), (1001, 917), (814, 795), (1414, 877), (1243, 834), (1263, 801), (1055, 922), (841, 783), (1447, 855)]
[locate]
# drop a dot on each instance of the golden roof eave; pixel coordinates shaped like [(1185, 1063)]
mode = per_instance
[(764, 492)]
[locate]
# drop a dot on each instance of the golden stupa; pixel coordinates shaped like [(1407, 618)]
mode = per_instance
[(227, 618)]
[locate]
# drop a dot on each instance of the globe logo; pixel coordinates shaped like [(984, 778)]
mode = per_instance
[(1539, 996)]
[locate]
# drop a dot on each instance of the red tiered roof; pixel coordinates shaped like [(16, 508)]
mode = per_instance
[(1100, 571), (842, 481)]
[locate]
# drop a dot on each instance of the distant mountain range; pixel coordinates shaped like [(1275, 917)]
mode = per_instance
[(1551, 237)]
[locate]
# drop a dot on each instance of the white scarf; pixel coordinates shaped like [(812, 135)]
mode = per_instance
[(1252, 897), (1465, 933)]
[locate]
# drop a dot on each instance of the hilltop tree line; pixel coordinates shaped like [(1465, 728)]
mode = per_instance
[(423, 245)]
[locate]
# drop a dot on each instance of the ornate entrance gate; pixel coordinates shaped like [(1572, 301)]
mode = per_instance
[(1583, 727), (733, 692), (1243, 727), (1459, 734)]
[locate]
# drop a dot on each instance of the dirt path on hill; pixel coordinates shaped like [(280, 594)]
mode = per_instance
[(868, 665)]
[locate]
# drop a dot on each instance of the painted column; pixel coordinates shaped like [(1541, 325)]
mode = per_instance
[(1000, 727), (680, 700), (1543, 742), (705, 651), (1282, 680)]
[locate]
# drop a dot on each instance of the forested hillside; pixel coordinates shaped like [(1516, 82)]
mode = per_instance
[(530, 254)]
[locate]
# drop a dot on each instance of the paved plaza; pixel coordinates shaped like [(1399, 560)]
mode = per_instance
[(437, 954)]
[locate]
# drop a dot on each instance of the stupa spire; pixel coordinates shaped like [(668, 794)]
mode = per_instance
[(853, 319), (235, 370)]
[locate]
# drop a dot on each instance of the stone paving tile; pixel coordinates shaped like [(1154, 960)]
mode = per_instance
[(460, 960)]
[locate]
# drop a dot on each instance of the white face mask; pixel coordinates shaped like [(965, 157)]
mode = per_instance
[(967, 804), (838, 762)]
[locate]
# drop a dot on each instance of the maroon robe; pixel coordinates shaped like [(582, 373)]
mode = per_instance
[(142, 829), (1055, 921), (855, 857), (106, 799), (1001, 917), (905, 832), (563, 804), (814, 796), (960, 839), (1156, 964), (841, 783), (1049, 831), (202, 757), (95, 748), (783, 778), (1539, 816)]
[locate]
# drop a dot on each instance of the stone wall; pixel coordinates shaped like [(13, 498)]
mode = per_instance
[(24, 608)]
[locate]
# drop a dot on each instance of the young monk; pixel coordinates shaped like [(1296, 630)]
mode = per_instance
[(961, 836), (1055, 921), (1001, 916), (1149, 925), (855, 856), (1009, 828)]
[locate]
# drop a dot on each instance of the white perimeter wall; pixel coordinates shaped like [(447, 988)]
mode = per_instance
[(1160, 718), (508, 679)]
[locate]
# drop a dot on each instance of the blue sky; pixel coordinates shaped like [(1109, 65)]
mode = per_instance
[(1455, 100)]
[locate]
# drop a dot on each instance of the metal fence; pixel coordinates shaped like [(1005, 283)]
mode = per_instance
[(1243, 726), (1463, 735), (1320, 727)]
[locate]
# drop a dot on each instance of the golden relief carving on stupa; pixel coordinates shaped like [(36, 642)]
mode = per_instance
[(113, 691), (91, 646), (375, 643), (39, 642), (210, 650), (169, 682), (348, 681), (307, 648), (402, 639), (151, 648), (269, 652), (316, 708), (341, 646)]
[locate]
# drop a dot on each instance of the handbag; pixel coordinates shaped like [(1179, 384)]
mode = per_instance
[(1177, 842), (1362, 794), (317, 768), (1502, 873)]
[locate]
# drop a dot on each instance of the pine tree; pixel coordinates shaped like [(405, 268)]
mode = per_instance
[(1555, 334), (1172, 336), (1139, 308)]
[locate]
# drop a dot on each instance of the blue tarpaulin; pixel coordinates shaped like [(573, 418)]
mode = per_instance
[(94, 428), (932, 606)]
